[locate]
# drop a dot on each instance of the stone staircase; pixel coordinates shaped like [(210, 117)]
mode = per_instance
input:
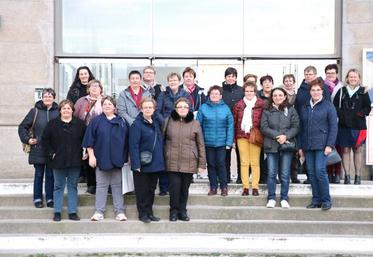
[(219, 226)]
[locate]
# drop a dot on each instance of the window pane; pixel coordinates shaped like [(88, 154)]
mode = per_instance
[(209, 27), (106, 27), (289, 27)]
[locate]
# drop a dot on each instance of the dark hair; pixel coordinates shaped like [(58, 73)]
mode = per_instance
[(49, 91), (76, 79), (182, 99), (110, 99), (316, 82), (266, 77), (288, 76), (247, 76), (249, 84), (64, 102), (284, 104), (230, 71), (189, 70), (215, 87), (332, 67), (134, 72)]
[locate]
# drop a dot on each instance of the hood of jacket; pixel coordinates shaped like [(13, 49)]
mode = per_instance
[(41, 106)]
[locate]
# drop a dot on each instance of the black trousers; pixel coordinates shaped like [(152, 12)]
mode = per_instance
[(179, 191), (145, 185), (228, 163), (89, 173)]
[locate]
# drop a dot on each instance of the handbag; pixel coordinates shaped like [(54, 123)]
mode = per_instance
[(146, 156), (256, 137), (27, 147), (127, 179), (288, 146), (333, 157)]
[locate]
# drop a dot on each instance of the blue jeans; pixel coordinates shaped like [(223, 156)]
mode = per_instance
[(316, 168), (40, 170), (61, 176), (216, 167), (278, 162)]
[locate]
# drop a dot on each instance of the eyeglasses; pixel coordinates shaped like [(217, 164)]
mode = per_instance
[(149, 72), (182, 107)]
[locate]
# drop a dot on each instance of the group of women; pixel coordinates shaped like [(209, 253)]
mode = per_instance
[(182, 131)]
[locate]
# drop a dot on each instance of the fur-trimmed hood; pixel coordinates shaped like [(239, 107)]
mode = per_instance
[(175, 116)]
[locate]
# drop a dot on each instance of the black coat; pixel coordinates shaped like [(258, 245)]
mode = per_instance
[(76, 91), (37, 155), (62, 143), (232, 94), (351, 111)]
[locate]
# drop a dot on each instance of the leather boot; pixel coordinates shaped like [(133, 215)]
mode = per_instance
[(337, 179), (330, 178), (347, 180), (357, 180)]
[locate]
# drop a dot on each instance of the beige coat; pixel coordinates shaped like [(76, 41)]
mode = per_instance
[(184, 145)]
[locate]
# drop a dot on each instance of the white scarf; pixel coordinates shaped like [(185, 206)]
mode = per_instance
[(247, 120)]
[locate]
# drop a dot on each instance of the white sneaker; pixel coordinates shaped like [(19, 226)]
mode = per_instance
[(285, 204), (121, 217), (271, 203), (97, 216)]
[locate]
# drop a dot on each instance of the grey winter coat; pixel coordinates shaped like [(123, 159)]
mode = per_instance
[(37, 155), (274, 123), (126, 106)]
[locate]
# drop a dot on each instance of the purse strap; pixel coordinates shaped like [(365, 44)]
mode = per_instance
[(155, 138), (34, 120)]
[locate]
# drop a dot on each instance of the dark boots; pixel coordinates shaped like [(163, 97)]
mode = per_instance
[(357, 180), (347, 180)]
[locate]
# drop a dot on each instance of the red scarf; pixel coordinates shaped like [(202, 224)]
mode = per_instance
[(137, 98), (190, 90)]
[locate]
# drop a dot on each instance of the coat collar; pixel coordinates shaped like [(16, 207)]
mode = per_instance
[(175, 116)]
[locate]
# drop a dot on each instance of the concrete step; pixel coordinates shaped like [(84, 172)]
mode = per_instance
[(23, 186), (184, 245), (34, 226), (199, 199), (199, 212)]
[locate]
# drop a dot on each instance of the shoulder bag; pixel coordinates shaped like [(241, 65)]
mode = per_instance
[(27, 147), (147, 156)]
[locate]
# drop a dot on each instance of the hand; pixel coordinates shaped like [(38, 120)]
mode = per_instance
[(234, 145), (328, 150), (227, 147), (92, 161), (301, 153), (32, 141), (138, 170), (201, 170), (85, 157), (281, 139)]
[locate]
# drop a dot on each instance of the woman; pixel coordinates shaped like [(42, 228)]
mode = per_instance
[(216, 121), (106, 140), (146, 140), (333, 83), (353, 105), (165, 105), (78, 88), (62, 140), (247, 114), (289, 86), (318, 131), (197, 95), (36, 120), (279, 125), (86, 108), (185, 155), (129, 99)]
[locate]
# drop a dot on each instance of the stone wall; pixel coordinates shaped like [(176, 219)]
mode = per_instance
[(26, 63)]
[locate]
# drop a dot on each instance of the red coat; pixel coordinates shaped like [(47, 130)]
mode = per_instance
[(238, 111)]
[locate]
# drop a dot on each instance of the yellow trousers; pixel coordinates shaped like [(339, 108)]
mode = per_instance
[(249, 157)]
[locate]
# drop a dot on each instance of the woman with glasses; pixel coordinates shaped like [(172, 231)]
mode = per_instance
[(185, 155)]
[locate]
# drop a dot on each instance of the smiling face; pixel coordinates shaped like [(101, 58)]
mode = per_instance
[(66, 112), (289, 84), (48, 99), (135, 81), (316, 92), (147, 109), (84, 76), (278, 97), (249, 92), (189, 79), (94, 90), (108, 108), (353, 79), (215, 96), (309, 76), (331, 74), (182, 108), (174, 83), (149, 76), (230, 79)]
